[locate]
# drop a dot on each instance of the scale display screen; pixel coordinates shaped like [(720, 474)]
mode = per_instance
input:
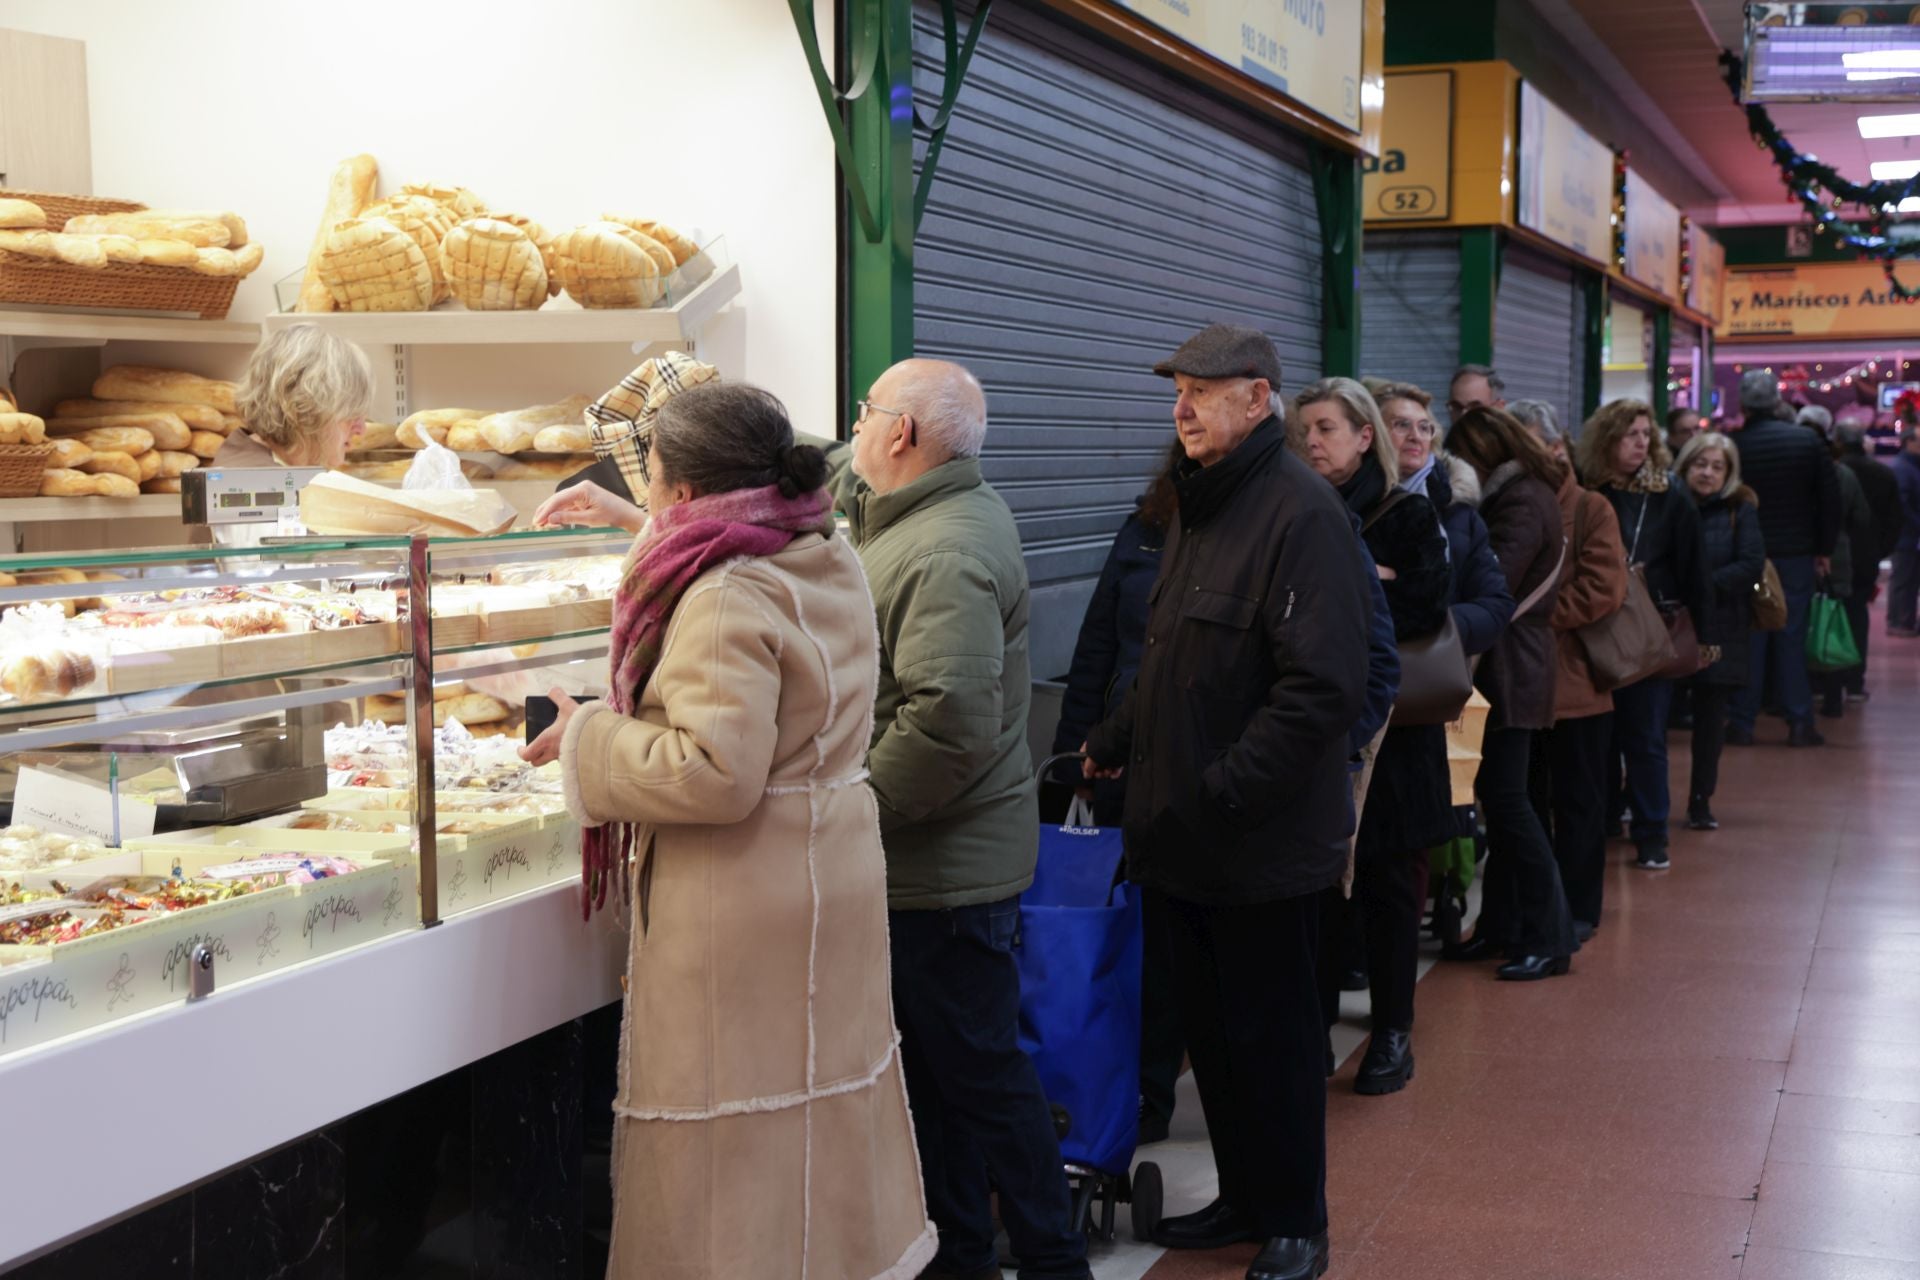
[(272, 498)]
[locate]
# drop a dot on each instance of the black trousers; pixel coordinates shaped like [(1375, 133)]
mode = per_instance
[(1389, 895), (1903, 587), (1162, 1046), (980, 1118), (1851, 679), (1577, 751), (1250, 1007), (1710, 702), (1525, 907)]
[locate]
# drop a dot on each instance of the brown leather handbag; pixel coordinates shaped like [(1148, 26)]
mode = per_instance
[(1769, 600), (1632, 642), (1435, 677)]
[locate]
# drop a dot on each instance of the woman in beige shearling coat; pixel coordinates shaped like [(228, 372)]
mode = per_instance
[(761, 1122)]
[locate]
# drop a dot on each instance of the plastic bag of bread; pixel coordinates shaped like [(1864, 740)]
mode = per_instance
[(435, 467), (494, 266), (427, 222), (342, 505), (42, 658), (604, 265), (371, 265)]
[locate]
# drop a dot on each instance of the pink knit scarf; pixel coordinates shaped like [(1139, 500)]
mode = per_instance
[(679, 545)]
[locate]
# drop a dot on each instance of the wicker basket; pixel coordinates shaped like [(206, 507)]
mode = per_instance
[(122, 286), (21, 466)]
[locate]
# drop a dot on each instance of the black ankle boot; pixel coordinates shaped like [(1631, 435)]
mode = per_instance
[(1388, 1065)]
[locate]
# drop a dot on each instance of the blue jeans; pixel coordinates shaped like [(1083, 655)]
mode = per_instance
[(1640, 737), (1781, 655), (980, 1118)]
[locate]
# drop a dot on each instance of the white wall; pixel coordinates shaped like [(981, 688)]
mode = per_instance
[(698, 112)]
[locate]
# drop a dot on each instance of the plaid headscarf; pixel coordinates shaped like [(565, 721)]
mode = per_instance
[(620, 421)]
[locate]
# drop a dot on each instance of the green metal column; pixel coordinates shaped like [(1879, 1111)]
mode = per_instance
[(1594, 285), (1479, 282), (1657, 362), (1336, 188)]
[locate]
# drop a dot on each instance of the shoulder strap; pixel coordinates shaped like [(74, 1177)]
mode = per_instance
[(1386, 504), (1546, 584), (1639, 523), (1580, 523)]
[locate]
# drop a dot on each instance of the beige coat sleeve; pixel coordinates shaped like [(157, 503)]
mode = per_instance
[(704, 754)]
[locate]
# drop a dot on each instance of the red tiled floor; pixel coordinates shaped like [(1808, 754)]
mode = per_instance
[(1724, 1087)]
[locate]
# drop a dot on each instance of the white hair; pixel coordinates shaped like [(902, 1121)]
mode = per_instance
[(1277, 405), (948, 405)]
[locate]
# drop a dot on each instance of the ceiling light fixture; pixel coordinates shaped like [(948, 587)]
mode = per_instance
[(1896, 126), (1894, 170), (1881, 59)]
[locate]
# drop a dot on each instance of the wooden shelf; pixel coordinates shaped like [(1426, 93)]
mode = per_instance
[(91, 327), (148, 506), (552, 324)]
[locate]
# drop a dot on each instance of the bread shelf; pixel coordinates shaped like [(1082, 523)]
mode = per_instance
[(90, 327), (552, 324), (148, 506)]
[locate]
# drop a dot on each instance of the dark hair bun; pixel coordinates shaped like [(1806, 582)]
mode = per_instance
[(800, 468)]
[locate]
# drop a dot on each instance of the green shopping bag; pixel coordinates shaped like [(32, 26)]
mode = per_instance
[(1830, 642)]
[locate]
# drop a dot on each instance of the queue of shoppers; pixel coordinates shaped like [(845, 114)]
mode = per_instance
[(810, 783)]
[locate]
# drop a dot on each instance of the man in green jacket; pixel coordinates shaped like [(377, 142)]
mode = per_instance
[(958, 818)]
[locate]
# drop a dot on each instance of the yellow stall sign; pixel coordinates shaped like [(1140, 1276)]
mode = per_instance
[(1817, 300), (1412, 178)]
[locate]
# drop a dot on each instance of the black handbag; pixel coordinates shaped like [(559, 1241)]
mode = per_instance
[(1435, 677)]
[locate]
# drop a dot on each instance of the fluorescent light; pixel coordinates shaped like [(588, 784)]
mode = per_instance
[(1881, 59), (1900, 126), (1882, 75), (1894, 170), (1910, 205)]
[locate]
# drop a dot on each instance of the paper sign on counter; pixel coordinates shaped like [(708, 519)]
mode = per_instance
[(55, 801)]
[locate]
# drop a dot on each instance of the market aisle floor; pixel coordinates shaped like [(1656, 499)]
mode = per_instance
[(1722, 1088)]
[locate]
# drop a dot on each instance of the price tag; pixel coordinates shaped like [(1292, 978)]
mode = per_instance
[(56, 801), (251, 867)]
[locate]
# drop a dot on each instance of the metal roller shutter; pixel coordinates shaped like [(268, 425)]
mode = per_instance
[(1410, 309), (1536, 332), (1089, 213), (1683, 348)]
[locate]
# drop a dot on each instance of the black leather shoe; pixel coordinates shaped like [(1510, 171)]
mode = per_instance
[(1738, 737), (1291, 1258), (1214, 1227), (1388, 1065), (1805, 735), (1533, 968), (1474, 948)]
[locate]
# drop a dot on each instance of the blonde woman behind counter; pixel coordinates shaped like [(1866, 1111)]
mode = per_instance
[(761, 1120)]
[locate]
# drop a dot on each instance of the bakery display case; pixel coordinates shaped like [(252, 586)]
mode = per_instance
[(219, 763)]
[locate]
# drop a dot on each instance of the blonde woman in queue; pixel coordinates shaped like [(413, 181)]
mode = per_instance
[(1409, 803), (761, 1117)]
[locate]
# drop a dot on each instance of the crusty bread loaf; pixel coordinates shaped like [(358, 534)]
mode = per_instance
[(167, 430), (69, 453), (543, 240), (680, 246), (229, 423), (21, 428), (377, 435), (199, 417), (33, 244), (462, 202), (162, 484), (663, 257), (216, 262), (22, 215), (204, 444), (175, 463), (515, 430), (236, 225), (372, 265), (465, 437), (470, 708), (110, 485), (150, 224), (167, 253), (112, 463), (348, 192), (433, 424), (119, 248), (148, 462), (603, 265), (492, 265), (80, 251), (247, 258), (139, 382), (427, 222), (128, 440), (568, 438)]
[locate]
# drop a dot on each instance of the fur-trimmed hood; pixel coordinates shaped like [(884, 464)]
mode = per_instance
[(1462, 480)]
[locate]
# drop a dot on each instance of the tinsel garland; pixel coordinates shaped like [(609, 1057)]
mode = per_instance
[(1806, 177)]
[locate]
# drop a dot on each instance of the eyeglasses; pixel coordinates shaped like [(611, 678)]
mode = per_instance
[(868, 408), (1422, 427)]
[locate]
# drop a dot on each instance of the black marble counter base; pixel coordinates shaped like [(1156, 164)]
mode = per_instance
[(497, 1171)]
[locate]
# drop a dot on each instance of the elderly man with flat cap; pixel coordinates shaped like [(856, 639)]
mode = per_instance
[(1234, 741)]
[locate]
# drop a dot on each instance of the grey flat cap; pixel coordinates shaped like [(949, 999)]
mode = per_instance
[(1225, 351)]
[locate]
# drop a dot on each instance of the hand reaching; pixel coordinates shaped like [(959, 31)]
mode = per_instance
[(587, 503)]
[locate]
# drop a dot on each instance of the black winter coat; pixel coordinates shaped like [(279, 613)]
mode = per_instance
[(1482, 606), (1882, 488), (1107, 653), (1735, 558), (1666, 539), (1791, 473), (1523, 526), (1409, 803), (1234, 735)]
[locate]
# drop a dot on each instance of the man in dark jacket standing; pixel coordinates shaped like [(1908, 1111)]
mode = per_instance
[(1877, 481), (1237, 814), (1789, 469)]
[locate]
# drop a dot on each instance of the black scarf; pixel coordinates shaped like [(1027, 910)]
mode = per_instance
[(1365, 487), (1204, 490)]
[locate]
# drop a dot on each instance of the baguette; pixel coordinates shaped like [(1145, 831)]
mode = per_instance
[(119, 248), (108, 462), (174, 463), (433, 424), (34, 244), (21, 428), (167, 253), (151, 224), (149, 463), (68, 452), (199, 417), (110, 485), (249, 257), (377, 435), (139, 382), (127, 440), (567, 438), (216, 262), (162, 484), (236, 225), (205, 444), (516, 430), (465, 437), (80, 251), (348, 192), (22, 215), (229, 423), (167, 430)]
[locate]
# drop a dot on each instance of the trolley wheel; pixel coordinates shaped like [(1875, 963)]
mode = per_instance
[(1149, 1195)]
